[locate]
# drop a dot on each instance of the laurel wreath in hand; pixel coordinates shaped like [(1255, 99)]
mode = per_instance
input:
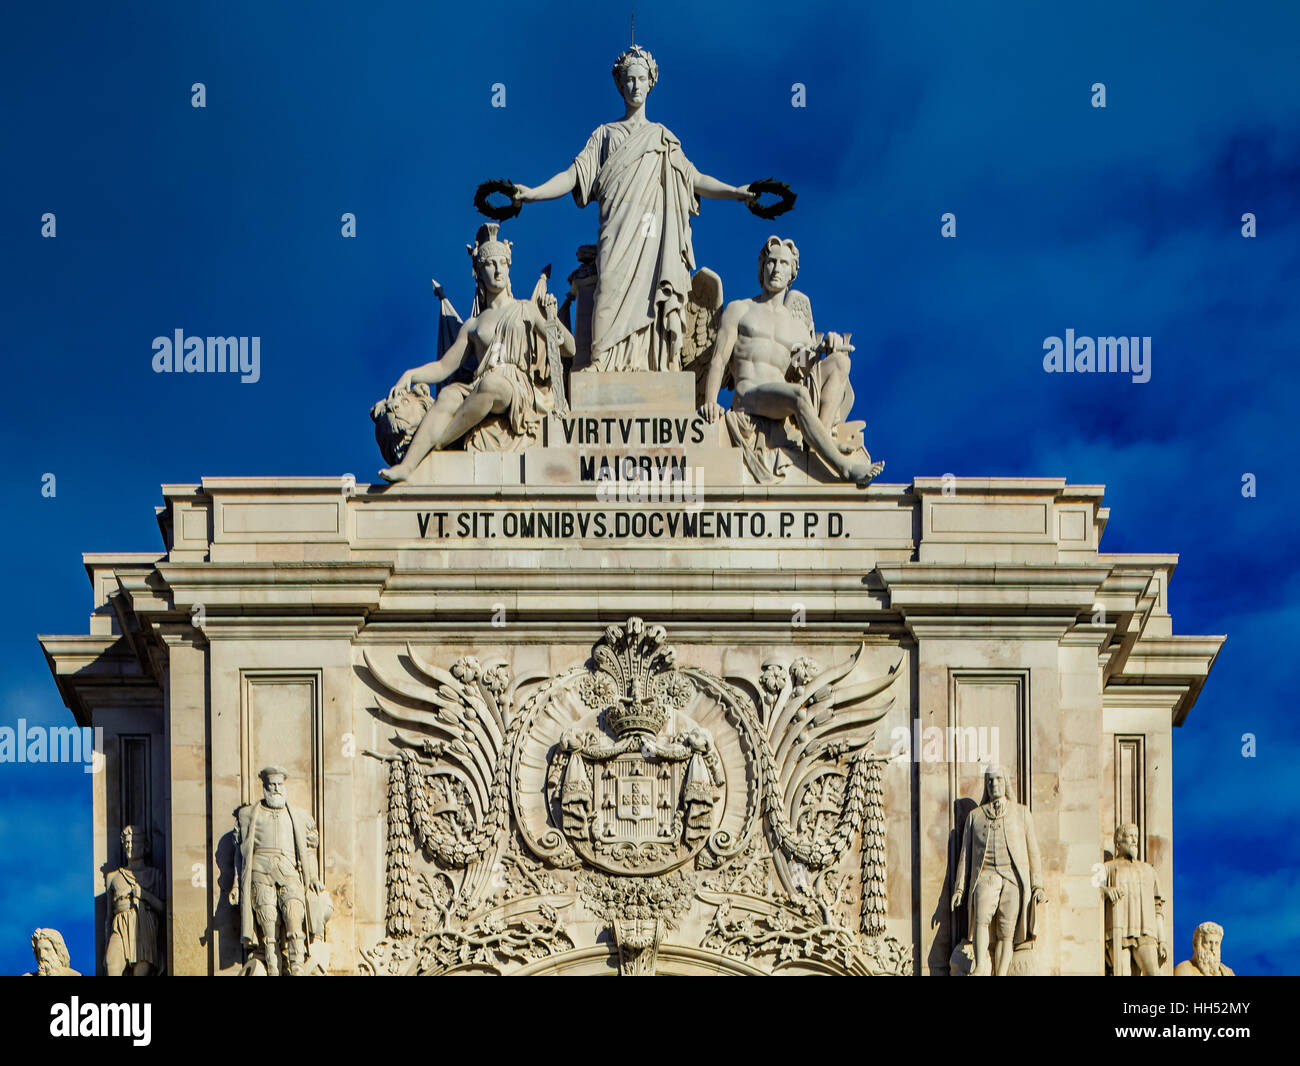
[(492, 211), (776, 188)]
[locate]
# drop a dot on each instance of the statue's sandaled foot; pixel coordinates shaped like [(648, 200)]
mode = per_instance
[(394, 473), (862, 474)]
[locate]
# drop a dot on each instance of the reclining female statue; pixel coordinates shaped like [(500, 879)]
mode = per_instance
[(509, 338)]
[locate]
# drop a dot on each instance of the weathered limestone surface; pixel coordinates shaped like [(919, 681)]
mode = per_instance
[(268, 628), (613, 679)]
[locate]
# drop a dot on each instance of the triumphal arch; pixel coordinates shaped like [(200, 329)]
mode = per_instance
[(630, 660)]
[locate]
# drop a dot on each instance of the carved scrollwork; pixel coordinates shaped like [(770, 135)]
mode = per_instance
[(486, 946), (793, 933), (641, 774)]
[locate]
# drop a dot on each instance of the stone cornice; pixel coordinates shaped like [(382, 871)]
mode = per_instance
[(277, 627), (918, 589), (585, 629), (750, 580), (982, 558), (1181, 661), (1004, 486), (98, 670), (252, 586)]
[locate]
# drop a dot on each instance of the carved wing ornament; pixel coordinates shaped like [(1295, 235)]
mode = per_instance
[(630, 770), (807, 723), (459, 722)]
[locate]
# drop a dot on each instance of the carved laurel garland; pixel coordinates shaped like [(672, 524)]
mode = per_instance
[(397, 857), (874, 898)]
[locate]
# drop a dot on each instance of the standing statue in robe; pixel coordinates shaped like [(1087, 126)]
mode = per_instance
[(647, 190), (1135, 914), (135, 911)]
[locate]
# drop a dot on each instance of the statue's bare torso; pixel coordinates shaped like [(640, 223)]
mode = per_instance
[(766, 335), (483, 330)]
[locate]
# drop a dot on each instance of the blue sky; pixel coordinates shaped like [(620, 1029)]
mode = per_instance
[(225, 220)]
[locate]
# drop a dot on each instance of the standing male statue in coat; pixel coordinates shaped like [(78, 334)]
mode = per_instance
[(1000, 871), (275, 864)]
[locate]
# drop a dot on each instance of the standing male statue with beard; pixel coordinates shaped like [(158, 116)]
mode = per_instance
[(1205, 961), (275, 856), (1135, 918), (51, 953)]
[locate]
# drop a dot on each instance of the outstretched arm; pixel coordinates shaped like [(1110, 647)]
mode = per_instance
[(713, 189), (551, 189), (439, 369)]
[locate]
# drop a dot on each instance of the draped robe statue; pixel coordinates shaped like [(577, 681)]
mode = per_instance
[(647, 190), (135, 911), (645, 186)]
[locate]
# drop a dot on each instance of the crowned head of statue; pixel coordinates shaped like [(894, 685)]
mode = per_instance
[(491, 258), (635, 73)]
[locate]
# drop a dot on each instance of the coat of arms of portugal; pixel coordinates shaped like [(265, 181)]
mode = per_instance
[(633, 815)]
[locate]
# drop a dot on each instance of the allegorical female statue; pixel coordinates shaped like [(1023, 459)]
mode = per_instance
[(134, 910), (647, 190), (509, 337)]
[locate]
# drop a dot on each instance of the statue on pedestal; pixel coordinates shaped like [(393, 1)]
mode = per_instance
[(784, 371), (999, 869), (647, 190), (513, 340), (275, 864), (575, 312), (51, 954), (1135, 919), (135, 912), (1205, 960)]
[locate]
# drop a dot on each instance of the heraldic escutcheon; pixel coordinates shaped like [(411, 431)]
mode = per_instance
[(663, 810)]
